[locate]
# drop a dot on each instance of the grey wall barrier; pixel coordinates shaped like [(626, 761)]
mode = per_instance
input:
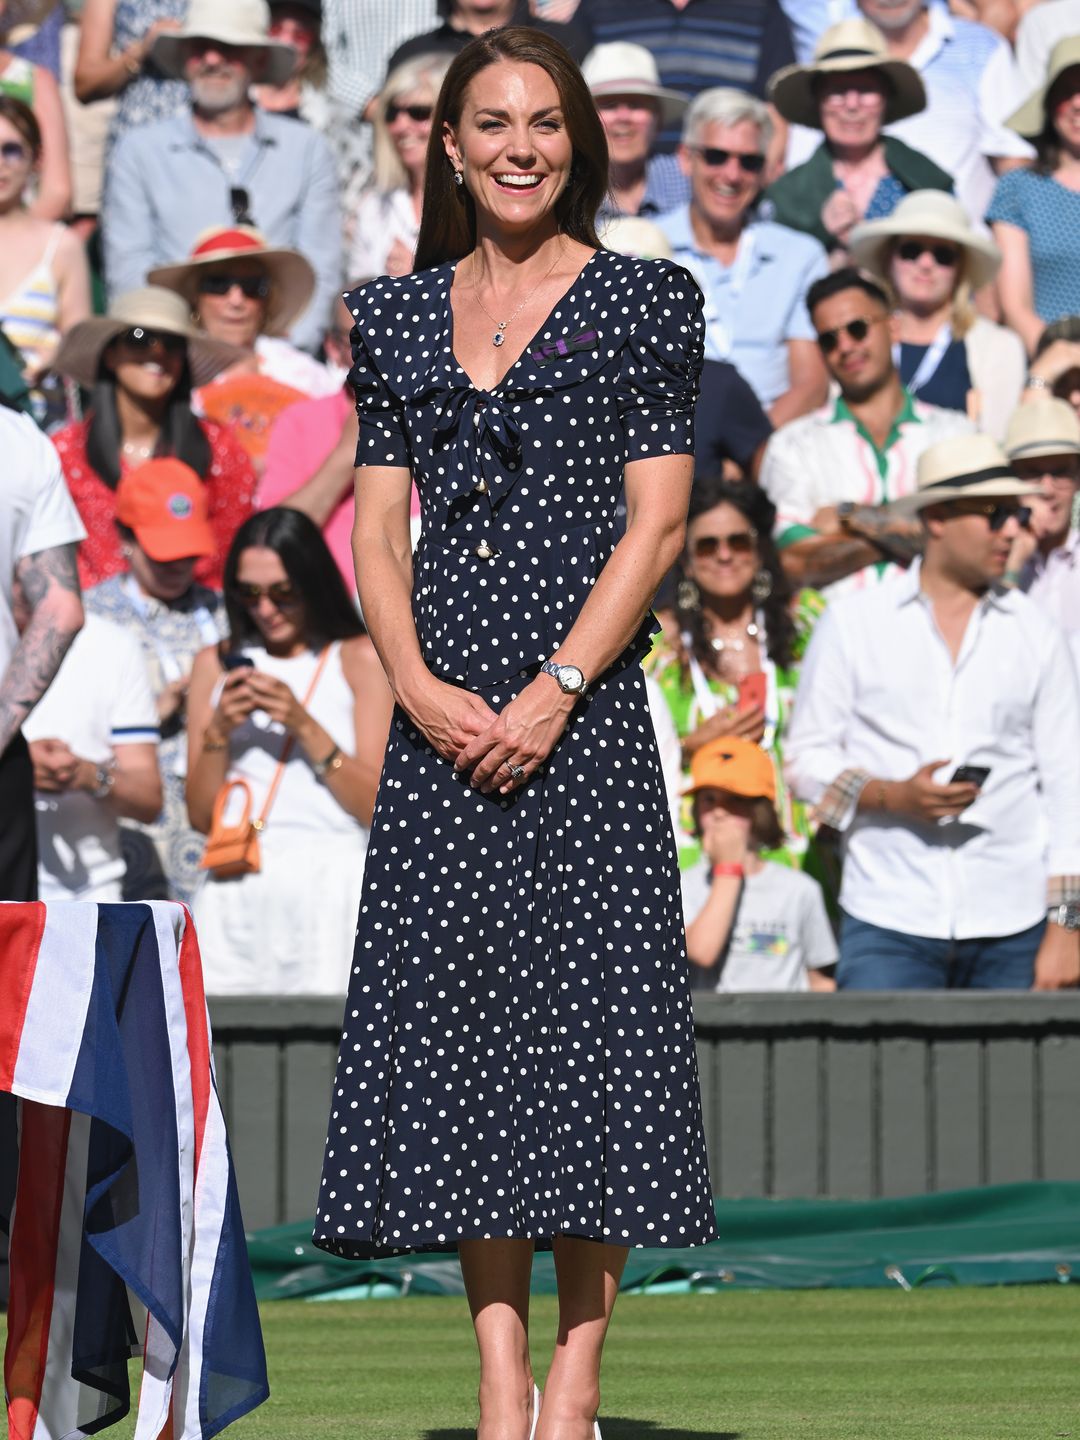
[(854, 1095)]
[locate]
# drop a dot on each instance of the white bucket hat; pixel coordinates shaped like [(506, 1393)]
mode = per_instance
[(850, 45), (1044, 426), (230, 22), (620, 68), (964, 467), (926, 212), (1030, 119)]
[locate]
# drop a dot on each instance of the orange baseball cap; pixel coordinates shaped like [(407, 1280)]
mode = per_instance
[(738, 766), (164, 502)]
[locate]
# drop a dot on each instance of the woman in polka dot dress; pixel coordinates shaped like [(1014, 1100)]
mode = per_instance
[(517, 1064)]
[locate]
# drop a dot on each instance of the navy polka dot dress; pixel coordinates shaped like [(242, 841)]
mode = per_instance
[(518, 1051)]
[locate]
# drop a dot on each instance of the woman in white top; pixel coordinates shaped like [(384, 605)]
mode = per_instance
[(381, 236), (947, 354), (299, 681)]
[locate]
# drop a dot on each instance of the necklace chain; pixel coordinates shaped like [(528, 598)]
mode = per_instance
[(500, 334)]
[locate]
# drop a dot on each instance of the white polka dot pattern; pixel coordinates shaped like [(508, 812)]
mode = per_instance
[(518, 1056)]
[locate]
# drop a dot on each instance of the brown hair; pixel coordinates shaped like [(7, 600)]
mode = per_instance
[(448, 223), (19, 115), (766, 831)]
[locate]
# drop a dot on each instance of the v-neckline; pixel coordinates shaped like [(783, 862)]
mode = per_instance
[(490, 389)]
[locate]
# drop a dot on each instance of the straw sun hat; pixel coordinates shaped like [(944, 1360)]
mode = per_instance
[(620, 68), (964, 467), (292, 280), (1044, 426), (150, 308), (932, 213), (850, 45), (244, 23), (1030, 119)]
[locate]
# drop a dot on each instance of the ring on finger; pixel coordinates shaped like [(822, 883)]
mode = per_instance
[(517, 771)]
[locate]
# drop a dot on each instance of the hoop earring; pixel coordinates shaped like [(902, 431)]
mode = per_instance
[(687, 595), (761, 589)]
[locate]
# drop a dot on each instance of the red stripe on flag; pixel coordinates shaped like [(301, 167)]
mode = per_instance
[(198, 1037), (21, 929), (43, 1143)]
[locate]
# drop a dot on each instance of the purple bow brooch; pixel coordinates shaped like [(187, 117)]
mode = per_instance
[(553, 350)]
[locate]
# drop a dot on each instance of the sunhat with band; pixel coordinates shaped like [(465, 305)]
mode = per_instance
[(621, 68), (243, 23), (964, 467), (1043, 427), (735, 765), (292, 280), (1031, 119), (850, 45), (932, 213), (164, 503), (141, 313)]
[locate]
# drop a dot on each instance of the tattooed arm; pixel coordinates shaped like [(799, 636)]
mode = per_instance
[(49, 582)]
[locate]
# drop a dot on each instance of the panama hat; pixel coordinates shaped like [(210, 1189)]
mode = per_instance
[(292, 280), (244, 23), (1044, 426), (964, 467), (850, 45), (1030, 119), (164, 503), (150, 308), (730, 763), (620, 68), (926, 212), (636, 236)]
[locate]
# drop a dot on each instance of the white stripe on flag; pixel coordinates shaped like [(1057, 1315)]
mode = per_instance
[(56, 1010)]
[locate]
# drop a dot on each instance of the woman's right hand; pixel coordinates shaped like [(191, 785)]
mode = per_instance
[(235, 704), (449, 716), (839, 215), (746, 724)]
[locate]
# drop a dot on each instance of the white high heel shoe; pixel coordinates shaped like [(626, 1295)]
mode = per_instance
[(537, 1397)]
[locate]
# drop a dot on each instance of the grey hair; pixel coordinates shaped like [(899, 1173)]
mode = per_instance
[(725, 106)]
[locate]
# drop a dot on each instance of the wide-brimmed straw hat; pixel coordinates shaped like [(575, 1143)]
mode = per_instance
[(1044, 426), (850, 45), (244, 23), (964, 467), (150, 308), (1030, 119), (292, 280), (620, 68), (926, 212)]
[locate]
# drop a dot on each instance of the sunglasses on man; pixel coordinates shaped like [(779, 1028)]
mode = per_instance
[(240, 201), (750, 162), (854, 329), (253, 287), (998, 513)]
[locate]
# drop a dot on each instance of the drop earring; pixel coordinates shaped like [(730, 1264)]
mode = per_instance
[(688, 596), (761, 589), (459, 177)]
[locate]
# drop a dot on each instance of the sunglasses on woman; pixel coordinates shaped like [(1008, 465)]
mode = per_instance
[(419, 113), (144, 340), (253, 287), (912, 250), (739, 542), (283, 593), (854, 329), (13, 153), (752, 164)]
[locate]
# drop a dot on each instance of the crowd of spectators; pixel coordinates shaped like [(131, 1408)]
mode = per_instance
[(865, 688)]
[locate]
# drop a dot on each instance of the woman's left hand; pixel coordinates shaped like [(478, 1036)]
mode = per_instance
[(524, 734), (276, 699)]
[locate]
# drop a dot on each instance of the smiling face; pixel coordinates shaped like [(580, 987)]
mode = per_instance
[(1063, 106), (148, 372), (721, 552), (923, 283), (722, 191), (1059, 476), (281, 622), (218, 76), (630, 123), (513, 146), (859, 366), (234, 317), (409, 127), (16, 165), (852, 107)]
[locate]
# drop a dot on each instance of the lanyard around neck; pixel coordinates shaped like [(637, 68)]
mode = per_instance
[(928, 365)]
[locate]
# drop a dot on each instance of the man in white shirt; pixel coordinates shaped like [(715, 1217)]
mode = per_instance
[(1039, 31), (936, 728), (39, 530), (833, 473), (1043, 444)]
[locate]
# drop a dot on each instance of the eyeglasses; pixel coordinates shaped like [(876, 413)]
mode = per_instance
[(283, 593), (254, 287), (739, 542), (419, 113), (1067, 474), (854, 330), (240, 201), (750, 162), (912, 250), (13, 152), (143, 340), (998, 513)]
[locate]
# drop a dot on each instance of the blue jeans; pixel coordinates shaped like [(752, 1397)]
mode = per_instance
[(873, 958)]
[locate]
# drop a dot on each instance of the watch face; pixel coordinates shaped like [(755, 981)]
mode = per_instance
[(571, 678)]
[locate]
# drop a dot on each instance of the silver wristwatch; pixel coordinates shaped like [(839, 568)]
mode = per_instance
[(1066, 915), (571, 680)]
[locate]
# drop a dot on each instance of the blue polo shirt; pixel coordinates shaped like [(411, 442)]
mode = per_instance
[(753, 310)]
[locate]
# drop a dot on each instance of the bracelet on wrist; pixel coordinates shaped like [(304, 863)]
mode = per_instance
[(728, 867), (1036, 382), (333, 761), (210, 743)]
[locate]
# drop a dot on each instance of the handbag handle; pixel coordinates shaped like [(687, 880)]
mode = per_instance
[(286, 749), (222, 799)]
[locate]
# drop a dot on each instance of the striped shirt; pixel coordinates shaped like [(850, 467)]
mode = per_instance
[(708, 42)]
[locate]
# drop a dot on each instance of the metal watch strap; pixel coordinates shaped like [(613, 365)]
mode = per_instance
[(555, 671)]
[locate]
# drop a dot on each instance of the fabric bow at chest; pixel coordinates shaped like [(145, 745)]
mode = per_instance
[(481, 440)]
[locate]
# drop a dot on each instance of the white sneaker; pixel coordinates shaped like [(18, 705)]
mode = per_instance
[(537, 1397)]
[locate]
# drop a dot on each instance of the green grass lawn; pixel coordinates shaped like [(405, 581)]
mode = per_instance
[(999, 1364)]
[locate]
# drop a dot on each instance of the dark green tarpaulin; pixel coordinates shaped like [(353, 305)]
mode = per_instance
[(1000, 1235)]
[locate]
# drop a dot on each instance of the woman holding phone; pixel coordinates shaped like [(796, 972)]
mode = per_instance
[(742, 634)]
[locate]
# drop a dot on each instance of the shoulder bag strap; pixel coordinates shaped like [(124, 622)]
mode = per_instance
[(286, 749)]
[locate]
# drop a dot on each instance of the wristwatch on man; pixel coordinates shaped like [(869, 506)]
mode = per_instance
[(571, 680), (104, 780), (1066, 915)]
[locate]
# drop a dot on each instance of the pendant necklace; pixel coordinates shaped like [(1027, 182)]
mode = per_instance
[(499, 338), (720, 643)]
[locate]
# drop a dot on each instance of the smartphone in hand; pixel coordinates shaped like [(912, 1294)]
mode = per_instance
[(236, 660), (970, 775), (752, 691)]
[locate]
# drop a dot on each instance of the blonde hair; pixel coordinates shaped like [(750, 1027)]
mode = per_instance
[(963, 314), (422, 73)]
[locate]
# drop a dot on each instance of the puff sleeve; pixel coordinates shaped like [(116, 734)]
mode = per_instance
[(657, 387), (383, 439)]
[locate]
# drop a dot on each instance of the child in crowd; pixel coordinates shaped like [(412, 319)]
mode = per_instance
[(751, 923)]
